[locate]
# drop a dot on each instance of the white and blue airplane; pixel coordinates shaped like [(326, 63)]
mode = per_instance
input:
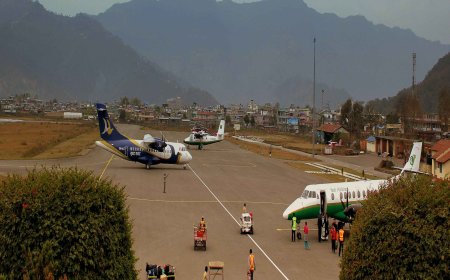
[(149, 151), (326, 200)]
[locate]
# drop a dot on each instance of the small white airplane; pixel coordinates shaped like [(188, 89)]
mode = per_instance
[(200, 137), (149, 151), (326, 200)]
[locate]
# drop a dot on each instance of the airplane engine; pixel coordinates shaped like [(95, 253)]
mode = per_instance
[(148, 140)]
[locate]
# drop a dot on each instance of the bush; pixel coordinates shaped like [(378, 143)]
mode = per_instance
[(402, 232), (64, 222)]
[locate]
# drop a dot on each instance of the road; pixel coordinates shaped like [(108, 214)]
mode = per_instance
[(218, 181)]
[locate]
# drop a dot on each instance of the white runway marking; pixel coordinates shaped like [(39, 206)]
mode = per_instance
[(229, 165), (223, 206), (207, 201)]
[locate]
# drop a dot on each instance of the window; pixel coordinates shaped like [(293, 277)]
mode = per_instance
[(364, 193), (340, 195), (305, 194), (332, 196), (353, 194), (440, 167), (359, 194), (345, 195)]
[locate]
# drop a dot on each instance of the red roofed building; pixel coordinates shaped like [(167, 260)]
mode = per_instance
[(328, 130), (440, 154)]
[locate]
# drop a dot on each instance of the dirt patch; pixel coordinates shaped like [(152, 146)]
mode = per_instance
[(268, 151), (335, 178), (294, 142), (32, 139)]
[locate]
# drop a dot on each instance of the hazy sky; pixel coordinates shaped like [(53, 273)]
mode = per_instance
[(427, 18)]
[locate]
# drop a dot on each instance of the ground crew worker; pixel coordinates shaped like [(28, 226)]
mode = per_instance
[(341, 241), (333, 233), (294, 228), (205, 274), (202, 224), (251, 264), (244, 208)]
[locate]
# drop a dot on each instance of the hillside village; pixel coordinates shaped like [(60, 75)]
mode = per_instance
[(375, 134)]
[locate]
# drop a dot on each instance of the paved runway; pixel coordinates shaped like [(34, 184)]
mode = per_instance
[(219, 180)]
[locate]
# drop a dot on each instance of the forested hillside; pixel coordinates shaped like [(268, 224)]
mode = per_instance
[(54, 56), (433, 92)]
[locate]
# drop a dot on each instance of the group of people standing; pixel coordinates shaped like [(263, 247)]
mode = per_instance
[(336, 233), (305, 232)]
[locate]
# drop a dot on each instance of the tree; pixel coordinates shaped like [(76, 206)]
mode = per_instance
[(124, 101), (252, 121), (64, 222), (122, 115), (444, 108), (346, 109), (135, 101), (352, 117), (246, 120), (408, 109), (402, 232), (228, 119)]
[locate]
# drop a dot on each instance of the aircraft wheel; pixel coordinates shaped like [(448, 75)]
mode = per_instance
[(184, 167), (147, 166)]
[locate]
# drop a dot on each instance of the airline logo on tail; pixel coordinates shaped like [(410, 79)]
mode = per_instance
[(108, 128), (412, 159)]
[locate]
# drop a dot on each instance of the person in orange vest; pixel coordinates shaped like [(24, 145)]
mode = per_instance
[(251, 264), (333, 233), (341, 241)]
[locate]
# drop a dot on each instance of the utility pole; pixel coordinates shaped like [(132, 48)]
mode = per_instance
[(314, 101), (165, 177)]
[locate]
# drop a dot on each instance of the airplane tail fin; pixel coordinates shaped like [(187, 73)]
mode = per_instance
[(221, 131), (108, 131), (413, 162)]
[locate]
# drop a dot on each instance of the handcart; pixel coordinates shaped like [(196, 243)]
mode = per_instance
[(200, 236)]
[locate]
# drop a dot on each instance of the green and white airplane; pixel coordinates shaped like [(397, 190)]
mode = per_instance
[(200, 138), (321, 199)]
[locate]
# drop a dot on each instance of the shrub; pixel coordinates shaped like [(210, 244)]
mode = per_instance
[(402, 232), (64, 222)]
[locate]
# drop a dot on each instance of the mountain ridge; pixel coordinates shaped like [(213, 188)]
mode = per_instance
[(70, 58), (247, 51)]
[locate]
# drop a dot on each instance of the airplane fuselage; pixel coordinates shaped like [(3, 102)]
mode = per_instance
[(203, 140), (307, 206), (133, 150)]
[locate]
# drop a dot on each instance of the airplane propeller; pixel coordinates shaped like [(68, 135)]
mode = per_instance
[(350, 211)]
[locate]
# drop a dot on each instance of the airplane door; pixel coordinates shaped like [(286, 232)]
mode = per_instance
[(322, 220), (323, 203)]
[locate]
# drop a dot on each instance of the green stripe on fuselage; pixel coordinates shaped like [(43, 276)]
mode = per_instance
[(201, 143), (334, 210)]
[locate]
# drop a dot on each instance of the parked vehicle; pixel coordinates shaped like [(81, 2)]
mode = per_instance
[(246, 223)]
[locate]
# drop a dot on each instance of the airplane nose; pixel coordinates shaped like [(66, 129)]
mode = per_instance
[(291, 208), (286, 213), (185, 157)]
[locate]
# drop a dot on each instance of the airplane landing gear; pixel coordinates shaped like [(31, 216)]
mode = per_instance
[(147, 166), (184, 167), (200, 146)]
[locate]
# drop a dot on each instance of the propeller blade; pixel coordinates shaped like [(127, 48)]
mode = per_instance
[(347, 197), (343, 205)]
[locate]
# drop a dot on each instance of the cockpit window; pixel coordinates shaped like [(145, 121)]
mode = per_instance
[(305, 194)]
